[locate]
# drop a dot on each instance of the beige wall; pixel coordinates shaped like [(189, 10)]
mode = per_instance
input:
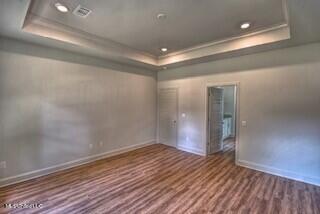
[(54, 104), (279, 99), (51, 110)]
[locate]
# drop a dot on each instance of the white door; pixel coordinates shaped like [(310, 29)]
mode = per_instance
[(215, 122), (168, 116)]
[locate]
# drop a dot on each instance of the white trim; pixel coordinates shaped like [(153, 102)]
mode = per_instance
[(235, 113), (46, 171), (40, 26), (279, 172), (286, 11), (217, 84), (270, 35), (227, 40), (191, 150)]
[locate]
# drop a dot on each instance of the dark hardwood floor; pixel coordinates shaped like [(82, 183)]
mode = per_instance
[(160, 179)]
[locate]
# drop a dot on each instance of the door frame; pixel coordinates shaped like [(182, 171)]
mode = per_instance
[(237, 110), (177, 110)]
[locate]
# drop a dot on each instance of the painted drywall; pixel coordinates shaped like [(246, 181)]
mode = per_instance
[(229, 105), (279, 98), (54, 104)]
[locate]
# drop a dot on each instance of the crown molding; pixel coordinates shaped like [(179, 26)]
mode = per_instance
[(266, 36), (40, 26)]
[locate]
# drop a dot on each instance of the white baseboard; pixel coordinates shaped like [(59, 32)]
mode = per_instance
[(41, 172), (191, 150), (279, 172)]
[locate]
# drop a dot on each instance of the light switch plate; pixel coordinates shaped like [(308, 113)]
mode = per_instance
[(244, 123)]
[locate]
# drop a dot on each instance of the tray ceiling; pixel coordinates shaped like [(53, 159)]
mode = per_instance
[(187, 23), (194, 31)]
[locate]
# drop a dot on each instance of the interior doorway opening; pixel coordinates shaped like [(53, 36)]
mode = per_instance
[(222, 114)]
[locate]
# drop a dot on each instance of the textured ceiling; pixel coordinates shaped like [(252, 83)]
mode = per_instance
[(189, 23)]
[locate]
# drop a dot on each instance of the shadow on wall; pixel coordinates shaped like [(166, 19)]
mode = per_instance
[(51, 111), (65, 134), (299, 135), (19, 47)]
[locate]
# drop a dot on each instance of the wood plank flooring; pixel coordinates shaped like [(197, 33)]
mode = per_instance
[(160, 179)]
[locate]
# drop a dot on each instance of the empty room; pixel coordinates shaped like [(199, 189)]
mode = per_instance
[(159, 106)]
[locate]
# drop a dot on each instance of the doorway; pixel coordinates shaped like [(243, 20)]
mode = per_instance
[(222, 112), (168, 115)]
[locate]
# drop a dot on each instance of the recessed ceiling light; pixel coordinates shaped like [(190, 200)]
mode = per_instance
[(245, 25), (164, 49), (61, 7)]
